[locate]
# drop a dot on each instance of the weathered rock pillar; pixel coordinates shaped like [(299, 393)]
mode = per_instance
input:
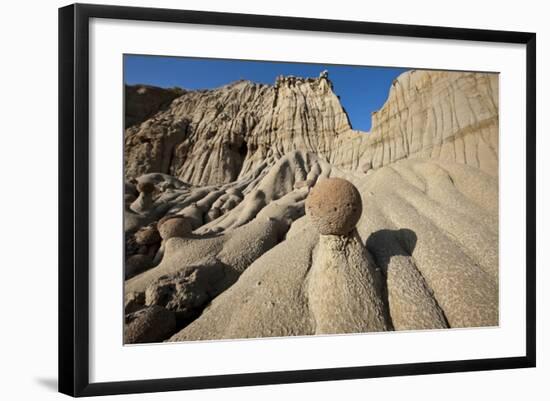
[(343, 289)]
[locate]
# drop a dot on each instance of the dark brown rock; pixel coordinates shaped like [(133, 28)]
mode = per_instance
[(147, 236), (145, 187)]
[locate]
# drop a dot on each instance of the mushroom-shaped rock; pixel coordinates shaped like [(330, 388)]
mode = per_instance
[(144, 202), (177, 226), (172, 226), (145, 187), (147, 325), (147, 236), (334, 206)]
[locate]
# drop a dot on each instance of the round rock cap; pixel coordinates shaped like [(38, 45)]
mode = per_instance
[(175, 226), (334, 206), (147, 236), (145, 187)]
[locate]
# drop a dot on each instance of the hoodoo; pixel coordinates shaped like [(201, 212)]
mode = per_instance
[(260, 211), (343, 287)]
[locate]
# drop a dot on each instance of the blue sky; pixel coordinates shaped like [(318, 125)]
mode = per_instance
[(362, 90)]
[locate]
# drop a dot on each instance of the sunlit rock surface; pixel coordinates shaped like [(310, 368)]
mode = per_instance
[(239, 162)]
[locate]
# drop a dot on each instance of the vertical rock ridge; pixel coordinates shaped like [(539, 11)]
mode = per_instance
[(216, 136), (441, 115), (227, 132)]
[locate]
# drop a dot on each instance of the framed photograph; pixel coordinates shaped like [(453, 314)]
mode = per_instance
[(251, 199)]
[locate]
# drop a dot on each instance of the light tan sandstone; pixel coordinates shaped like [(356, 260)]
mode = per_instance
[(239, 162)]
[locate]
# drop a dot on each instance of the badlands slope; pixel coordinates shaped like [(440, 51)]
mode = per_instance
[(240, 258)]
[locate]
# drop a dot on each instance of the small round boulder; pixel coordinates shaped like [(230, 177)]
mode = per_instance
[(334, 206), (168, 217), (145, 187), (175, 227), (147, 236)]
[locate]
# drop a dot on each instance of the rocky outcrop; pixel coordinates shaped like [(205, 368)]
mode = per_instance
[(436, 268), (216, 136), (224, 175), (444, 115), (186, 291)]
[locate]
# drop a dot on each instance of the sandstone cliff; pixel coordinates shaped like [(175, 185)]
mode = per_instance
[(215, 136), (235, 165), (450, 116)]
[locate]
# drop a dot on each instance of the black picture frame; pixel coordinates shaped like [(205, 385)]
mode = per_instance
[(74, 198)]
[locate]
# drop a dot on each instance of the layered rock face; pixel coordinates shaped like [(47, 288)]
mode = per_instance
[(235, 166), (216, 136), (449, 116)]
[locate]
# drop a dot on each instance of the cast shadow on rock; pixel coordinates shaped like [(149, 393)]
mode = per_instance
[(384, 244)]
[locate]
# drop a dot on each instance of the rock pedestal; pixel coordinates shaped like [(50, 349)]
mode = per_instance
[(343, 289)]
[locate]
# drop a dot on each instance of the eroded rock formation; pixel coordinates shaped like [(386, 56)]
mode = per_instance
[(231, 169), (216, 136), (449, 116)]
